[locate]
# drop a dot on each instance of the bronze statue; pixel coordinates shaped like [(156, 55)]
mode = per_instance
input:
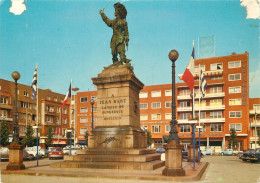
[(120, 36)]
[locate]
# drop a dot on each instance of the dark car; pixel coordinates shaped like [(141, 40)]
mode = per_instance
[(4, 154), (160, 150), (251, 154), (56, 153)]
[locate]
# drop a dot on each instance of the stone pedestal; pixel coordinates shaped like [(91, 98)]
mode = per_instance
[(117, 142), (190, 153), (173, 159), (15, 157)]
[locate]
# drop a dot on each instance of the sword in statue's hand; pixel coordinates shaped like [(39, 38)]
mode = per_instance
[(107, 4)]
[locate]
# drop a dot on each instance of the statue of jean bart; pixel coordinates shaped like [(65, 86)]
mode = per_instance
[(120, 37)]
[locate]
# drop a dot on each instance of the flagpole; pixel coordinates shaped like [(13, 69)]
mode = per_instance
[(193, 113), (37, 108), (70, 100), (199, 109)]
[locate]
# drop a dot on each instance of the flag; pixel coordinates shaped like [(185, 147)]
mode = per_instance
[(58, 130), (34, 83), (188, 76), (203, 84), (67, 96)]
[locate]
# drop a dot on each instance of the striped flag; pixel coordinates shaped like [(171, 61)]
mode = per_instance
[(188, 75), (34, 83), (67, 96), (203, 84), (58, 130)]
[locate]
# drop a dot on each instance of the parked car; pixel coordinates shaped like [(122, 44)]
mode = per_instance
[(226, 152), (56, 153), (251, 154), (184, 154), (66, 150), (33, 151), (4, 154), (207, 151), (160, 150)]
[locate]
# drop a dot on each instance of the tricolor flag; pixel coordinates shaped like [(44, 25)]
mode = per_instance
[(58, 130), (203, 84), (188, 76), (34, 83), (67, 96)]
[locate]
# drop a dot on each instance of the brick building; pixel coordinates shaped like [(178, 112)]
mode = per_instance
[(254, 122), (50, 113)]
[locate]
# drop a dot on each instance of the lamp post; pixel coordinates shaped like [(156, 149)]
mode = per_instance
[(92, 102), (173, 149), (15, 149), (75, 89), (16, 76)]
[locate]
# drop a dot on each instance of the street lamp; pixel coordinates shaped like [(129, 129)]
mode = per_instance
[(92, 102), (173, 56), (16, 76), (75, 89)]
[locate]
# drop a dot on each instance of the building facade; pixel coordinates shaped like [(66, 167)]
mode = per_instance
[(254, 122), (49, 112)]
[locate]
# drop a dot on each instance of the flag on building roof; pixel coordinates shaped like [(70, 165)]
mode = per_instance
[(203, 84), (67, 96), (188, 76), (34, 83)]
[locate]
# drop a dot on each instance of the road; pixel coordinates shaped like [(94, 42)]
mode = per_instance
[(223, 169)]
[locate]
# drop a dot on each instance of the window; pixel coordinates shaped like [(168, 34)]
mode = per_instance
[(256, 107), (83, 110), (25, 105), (215, 102), (216, 127), (237, 127), (184, 116), (216, 77), (168, 93), (234, 64), (156, 116), (202, 103), (235, 101), (156, 93), (83, 120), (202, 115), (83, 131), (64, 111), (196, 68), (143, 95), (234, 77), (55, 99), (48, 98), (3, 100), (217, 66), (184, 128), (156, 128), (185, 104), (94, 109), (83, 99), (143, 105), (236, 89), (58, 109), (49, 119), (156, 105), (64, 121), (167, 128), (215, 114), (26, 94), (216, 89), (168, 104), (143, 117), (50, 108), (203, 129), (168, 116), (94, 98), (235, 114), (184, 92)]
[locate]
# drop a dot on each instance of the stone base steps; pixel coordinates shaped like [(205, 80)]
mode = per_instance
[(117, 151), (110, 165), (114, 158)]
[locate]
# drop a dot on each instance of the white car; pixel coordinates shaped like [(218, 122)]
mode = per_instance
[(33, 151), (207, 151), (66, 150)]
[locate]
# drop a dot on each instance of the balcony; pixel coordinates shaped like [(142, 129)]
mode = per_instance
[(252, 112), (207, 73), (202, 108), (255, 124), (6, 119), (255, 138), (207, 95), (5, 106), (208, 120)]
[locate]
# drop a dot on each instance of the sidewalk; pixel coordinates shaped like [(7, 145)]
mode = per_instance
[(44, 169)]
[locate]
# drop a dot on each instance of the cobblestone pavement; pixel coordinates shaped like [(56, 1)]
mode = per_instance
[(224, 169)]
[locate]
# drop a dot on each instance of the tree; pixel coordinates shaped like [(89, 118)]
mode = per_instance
[(28, 139), (86, 137), (68, 138), (233, 138), (4, 133), (149, 138), (49, 136)]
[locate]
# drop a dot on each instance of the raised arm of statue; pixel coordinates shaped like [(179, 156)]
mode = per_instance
[(105, 18)]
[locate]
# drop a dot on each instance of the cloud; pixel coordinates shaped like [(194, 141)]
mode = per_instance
[(252, 8), (18, 7)]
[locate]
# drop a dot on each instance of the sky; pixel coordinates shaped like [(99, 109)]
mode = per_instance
[(69, 41)]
